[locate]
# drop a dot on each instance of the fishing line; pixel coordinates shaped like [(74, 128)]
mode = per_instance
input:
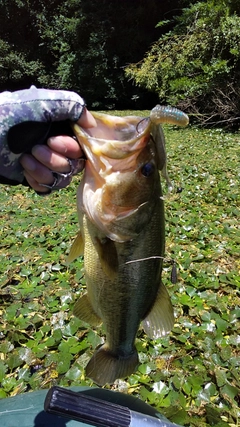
[(174, 277), (145, 259)]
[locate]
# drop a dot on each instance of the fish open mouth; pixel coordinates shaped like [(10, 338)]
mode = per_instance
[(113, 137)]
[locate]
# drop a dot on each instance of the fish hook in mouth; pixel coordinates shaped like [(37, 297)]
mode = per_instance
[(140, 123)]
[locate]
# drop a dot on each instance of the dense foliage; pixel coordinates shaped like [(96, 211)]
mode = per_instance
[(196, 64), (80, 45), (192, 376), (86, 46)]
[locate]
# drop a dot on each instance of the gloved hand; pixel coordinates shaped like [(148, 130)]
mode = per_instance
[(27, 119)]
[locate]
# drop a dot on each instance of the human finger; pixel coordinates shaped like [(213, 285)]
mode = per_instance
[(87, 120), (34, 184), (66, 146), (36, 170), (52, 160)]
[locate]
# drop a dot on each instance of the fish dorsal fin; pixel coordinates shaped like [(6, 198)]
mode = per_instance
[(77, 248), (160, 319), (84, 311), (108, 256)]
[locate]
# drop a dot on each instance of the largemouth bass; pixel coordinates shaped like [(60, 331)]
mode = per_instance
[(122, 236)]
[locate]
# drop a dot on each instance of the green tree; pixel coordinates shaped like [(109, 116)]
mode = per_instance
[(81, 45), (93, 42), (20, 64), (196, 65)]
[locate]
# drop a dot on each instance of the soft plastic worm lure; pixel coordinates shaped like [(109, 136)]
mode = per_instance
[(159, 115), (166, 114)]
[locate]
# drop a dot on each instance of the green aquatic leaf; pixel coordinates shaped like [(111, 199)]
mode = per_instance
[(226, 353), (221, 376), (3, 394), (26, 355), (24, 374), (180, 416), (145, 369), (9, 383), (64, 363), (160, 388), (177, 383), (93, 339), (74, 373), (6, 347), (3, 370), (72, 327), (229, 392)]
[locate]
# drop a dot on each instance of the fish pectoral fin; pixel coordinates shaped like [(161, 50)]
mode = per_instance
[(84, 311), (76, 249), (105, 367), (160, 319), (108, 256)]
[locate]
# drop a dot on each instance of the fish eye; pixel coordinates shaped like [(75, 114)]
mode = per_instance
[(147, 169)]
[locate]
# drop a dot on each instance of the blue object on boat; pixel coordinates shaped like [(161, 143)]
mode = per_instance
[(27, 410)]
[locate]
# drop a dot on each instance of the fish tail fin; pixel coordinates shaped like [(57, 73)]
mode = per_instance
[(105, 367)]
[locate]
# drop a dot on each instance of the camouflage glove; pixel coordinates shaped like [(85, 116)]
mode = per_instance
[(28, 117)]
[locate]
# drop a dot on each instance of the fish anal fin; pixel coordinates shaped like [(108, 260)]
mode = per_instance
[(160, 319), (105, 367), (76, 249), (108, 256), (84, 311)]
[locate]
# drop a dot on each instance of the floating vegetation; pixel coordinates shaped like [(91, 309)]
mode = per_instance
[(192, 376)]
